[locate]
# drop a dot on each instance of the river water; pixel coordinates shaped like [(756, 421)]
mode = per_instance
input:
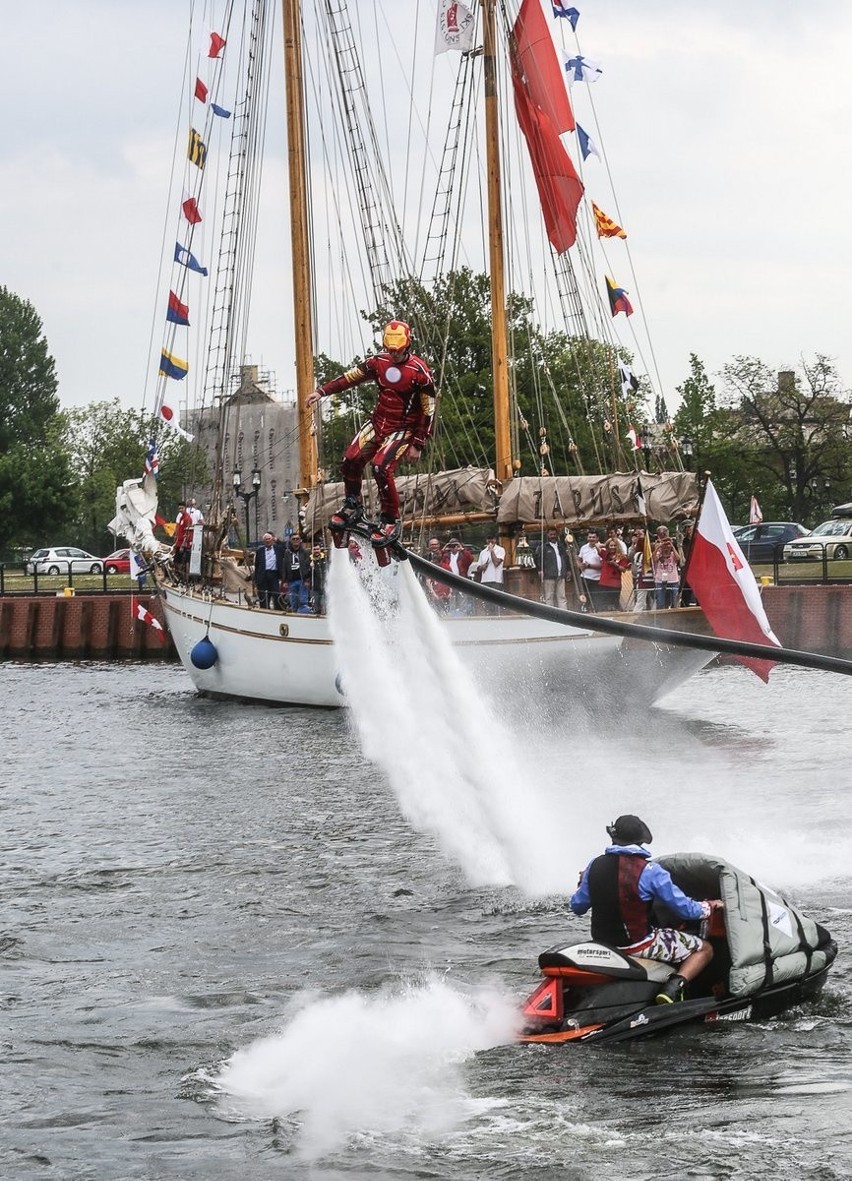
[(232, 946)]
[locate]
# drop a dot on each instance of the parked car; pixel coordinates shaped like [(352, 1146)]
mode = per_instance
[(832, 538), (117, 562), (765, 542), (63, 560)]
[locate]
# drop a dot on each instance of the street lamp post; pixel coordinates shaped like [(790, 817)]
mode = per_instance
[(247, 495), (687, 451)]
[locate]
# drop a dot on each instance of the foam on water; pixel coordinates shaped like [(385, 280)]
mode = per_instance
[(382, 1064)]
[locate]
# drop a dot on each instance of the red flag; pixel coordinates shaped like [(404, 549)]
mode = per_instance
[(540, 67), (177, 312), (190, 210), (200, 91), (559, 187), (217, 44), (145, 615), (724, 584)]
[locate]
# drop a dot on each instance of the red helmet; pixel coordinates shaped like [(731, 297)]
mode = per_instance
[(397, 335)]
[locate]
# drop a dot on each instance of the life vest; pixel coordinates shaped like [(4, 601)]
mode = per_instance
[(619, 916)]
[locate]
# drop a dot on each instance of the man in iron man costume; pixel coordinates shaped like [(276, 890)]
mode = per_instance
[(398, 428)]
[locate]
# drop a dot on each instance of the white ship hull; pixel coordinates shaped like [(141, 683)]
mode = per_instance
[(290, 659)]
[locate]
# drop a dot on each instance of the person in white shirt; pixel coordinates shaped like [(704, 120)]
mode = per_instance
[(490, 563), (590, 561), (195, 513)]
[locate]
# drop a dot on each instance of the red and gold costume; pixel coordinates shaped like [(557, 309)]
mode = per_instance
[(401, 418)]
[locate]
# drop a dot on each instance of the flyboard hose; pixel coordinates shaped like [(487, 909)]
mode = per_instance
[(616, 627)]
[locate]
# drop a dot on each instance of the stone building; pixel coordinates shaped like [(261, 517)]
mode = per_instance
[(261, 434)]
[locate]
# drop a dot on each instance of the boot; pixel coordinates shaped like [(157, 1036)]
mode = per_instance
[(386, 533), (671, 991), (349, 512)]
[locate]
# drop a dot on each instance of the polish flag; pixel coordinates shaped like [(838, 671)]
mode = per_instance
[(145, 615), (725, 585)]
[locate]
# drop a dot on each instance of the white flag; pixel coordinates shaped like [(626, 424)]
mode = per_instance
[(145, 615), (755, 516), (456, 27), (138, 566)]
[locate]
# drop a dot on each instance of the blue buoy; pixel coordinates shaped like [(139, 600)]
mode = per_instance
[(204, 654)]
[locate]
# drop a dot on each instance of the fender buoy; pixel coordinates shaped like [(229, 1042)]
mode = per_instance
[(204, 654)]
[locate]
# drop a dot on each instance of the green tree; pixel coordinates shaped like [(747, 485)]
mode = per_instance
[(566, 390), (107, 443), (792, 431), (36, 494)]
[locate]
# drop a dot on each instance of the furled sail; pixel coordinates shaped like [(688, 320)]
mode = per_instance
[(466, 489), (583, 500)]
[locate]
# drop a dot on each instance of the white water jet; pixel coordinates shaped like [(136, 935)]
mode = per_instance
[(387, 1064)]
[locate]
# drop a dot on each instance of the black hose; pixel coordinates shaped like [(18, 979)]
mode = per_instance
[(616, 627)]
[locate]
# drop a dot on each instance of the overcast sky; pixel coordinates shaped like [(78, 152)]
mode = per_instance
[(726, 126)]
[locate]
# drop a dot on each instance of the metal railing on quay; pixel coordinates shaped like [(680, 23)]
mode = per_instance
[(822, 571), (16, 581)]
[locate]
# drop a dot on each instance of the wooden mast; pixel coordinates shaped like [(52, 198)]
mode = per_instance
[(299, 239), (499, 346), (503, 466)]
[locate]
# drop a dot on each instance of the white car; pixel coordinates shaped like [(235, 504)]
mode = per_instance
[(832, 538), (63, 559)]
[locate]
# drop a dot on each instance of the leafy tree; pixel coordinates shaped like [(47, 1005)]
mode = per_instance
[(792, 431), (36, 497), (566, 390), (107, 444)]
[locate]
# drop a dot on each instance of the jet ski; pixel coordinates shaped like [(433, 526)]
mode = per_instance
[(767, 957)]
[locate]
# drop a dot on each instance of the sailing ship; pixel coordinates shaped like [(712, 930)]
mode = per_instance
[(229, 644)]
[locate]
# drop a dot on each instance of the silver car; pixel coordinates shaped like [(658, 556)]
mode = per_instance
[(63, 559), (832, 538)]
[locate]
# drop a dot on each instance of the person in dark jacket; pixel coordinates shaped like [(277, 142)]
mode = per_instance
[(551, 561), (297, 574), (620, 887), (318, 577), (269, 570)]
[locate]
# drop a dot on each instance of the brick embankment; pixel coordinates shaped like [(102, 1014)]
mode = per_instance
[(81, 627), (811, 618)]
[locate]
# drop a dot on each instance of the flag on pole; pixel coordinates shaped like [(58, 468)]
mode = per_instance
[(605, 226), (196, 149), (579, 69), (560, 9), (172, 366), (629, 382), (618, 301), (145, 615), (177, 312), (755, 516), (168, 411), (188, 260), (152, 460), (191, 212), (220, 111), (217, 44), (588, 147), (456, 26), (200, 91), (725, 585)]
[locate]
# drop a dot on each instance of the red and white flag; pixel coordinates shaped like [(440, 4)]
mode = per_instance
[(145, 615), (725, 585), (755, 516)]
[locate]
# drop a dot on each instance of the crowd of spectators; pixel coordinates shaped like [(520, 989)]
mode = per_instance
[(612, 569)]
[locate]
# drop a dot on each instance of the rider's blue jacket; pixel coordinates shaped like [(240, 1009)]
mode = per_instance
[(654, 882)]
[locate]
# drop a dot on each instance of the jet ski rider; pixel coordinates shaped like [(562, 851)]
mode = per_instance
[(620, 887)]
